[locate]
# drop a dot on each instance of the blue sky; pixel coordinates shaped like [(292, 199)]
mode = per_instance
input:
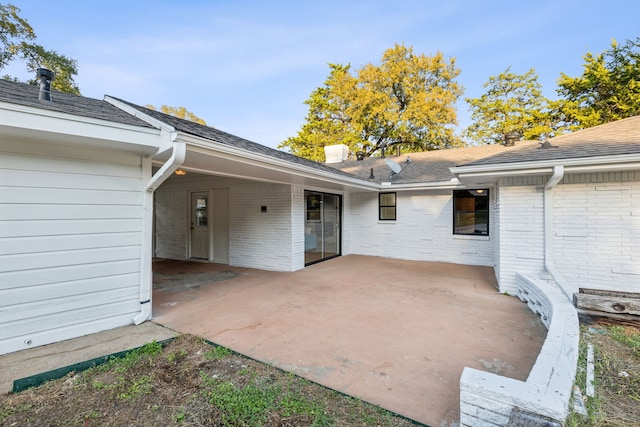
[(246, 67)]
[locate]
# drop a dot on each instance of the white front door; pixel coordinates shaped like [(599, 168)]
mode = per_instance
[(200, 225)]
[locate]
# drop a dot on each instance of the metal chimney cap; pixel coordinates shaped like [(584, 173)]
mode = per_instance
[(43, 72), (511, 138)]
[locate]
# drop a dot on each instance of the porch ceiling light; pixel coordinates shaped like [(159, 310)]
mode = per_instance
[(180, 172)]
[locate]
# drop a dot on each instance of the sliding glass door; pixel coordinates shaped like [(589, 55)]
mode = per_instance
[(321, 226)]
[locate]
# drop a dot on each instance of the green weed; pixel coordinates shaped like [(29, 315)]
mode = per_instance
[(141, 386), (246, 406), (175, 357), (217, 353), (632, 341)]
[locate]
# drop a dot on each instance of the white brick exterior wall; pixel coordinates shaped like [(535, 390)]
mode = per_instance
[(171, 217), (423, 230), (520, 228), (264, 240), (597, 231)]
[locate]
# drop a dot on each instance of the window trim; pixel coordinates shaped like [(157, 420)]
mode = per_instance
[(394, 206), (486, 194)]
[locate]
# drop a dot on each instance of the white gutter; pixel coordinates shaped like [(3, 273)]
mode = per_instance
[(146, 275), (575, 164), (412, 186), (178, 154), (558, 174), (168, 139)]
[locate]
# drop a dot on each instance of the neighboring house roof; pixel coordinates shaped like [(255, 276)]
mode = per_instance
[(27, 95), (428, 166), (621, 137), (216, 135)]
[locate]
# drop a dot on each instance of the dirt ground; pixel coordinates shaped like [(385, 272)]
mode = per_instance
[(187, 383), (616, 399)]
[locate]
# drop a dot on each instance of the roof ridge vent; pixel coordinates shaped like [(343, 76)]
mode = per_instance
[(45, 76)]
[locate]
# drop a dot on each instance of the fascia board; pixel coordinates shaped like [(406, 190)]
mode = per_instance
[(207, 146), (438, 185), (607, 162), (74, 129), (139, 114), (168, 130)]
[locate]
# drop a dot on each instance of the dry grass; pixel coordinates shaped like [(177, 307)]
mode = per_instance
[(187, 383), (617, 375)]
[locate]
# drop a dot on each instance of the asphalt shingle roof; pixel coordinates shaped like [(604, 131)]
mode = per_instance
[(615, 138), (27, 95), (213, 134), (428, 166)]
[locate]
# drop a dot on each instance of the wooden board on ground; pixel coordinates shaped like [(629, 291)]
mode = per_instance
[(621, 305)]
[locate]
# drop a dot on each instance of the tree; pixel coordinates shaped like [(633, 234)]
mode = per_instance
[(406, 101), (512, 103), (179, 112), (17, 42), (608, 90)]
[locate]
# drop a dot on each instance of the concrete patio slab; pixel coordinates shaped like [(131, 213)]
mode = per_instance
[(392, 332)]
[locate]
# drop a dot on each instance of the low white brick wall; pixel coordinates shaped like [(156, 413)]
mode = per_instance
[(487, 399)]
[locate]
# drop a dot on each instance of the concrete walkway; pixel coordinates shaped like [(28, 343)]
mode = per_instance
[(35, 361), (392, 332)]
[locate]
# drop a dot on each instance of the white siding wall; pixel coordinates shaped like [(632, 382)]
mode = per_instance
[(70, 242), (597, 231), (423, 230), (258, 239)]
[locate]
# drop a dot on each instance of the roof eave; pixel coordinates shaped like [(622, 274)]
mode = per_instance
[(241, 155), (413, 186), (575, 165), (38, 123)]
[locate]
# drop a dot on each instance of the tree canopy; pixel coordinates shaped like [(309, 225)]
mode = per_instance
[(512, 103), (407, 101), (179, 112), (607, 90), (17, 41)]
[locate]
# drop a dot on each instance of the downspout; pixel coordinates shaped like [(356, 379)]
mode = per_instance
[(178, 154), (558, 174)]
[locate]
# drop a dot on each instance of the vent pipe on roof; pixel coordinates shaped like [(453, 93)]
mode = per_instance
[(45, 76), (510, 139)]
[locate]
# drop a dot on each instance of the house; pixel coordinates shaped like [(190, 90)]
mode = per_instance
[(77, 226), (92, 190), (567, 209)]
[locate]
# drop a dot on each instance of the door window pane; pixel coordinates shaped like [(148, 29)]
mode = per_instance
[(201, 211)]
